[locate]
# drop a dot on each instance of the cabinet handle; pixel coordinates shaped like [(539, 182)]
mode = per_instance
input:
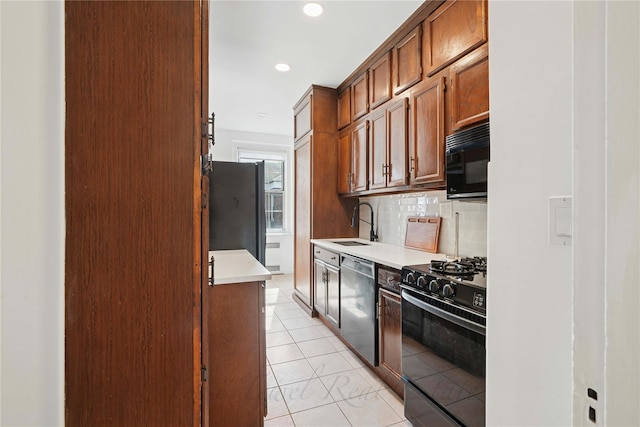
[(413, 163), (389, 169), (212, 264)]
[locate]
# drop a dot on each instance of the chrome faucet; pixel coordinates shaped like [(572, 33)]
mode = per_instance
[(372, 235)]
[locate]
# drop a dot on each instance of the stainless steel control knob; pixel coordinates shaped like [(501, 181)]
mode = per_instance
[(421, 282), (448, 290), (434, 286)]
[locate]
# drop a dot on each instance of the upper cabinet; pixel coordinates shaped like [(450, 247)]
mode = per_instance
[(407, 60), (302, 118), (454, 29), (428, 80), (344, 108), (360, 97), (388, 146), (359, 158), (427, 132), (380, 81), (470, 89)]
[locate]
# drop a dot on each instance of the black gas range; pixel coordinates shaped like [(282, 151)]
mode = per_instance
[(443, 342), (461, 282)]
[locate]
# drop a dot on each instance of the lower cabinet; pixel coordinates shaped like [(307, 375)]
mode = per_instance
[(327, 285), (390, 330), (237, 363)]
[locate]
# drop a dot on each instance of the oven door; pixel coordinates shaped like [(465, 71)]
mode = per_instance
[(443, 363)]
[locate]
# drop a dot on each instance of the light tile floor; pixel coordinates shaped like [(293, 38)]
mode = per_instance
[(313, 379)]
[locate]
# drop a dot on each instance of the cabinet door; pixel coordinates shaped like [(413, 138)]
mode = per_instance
[(378, 149), (302, 119), (320, 286), (455, 28), (344, 108), (359, 141), (398, 144), (360, 97), (390, 325), (470, 89), (333, 295), (344, 162), (427, 132), (380, 81), (407, 60), (302, 242)]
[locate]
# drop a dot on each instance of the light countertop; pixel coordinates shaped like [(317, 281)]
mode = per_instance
[(381, 253), (237, 266)]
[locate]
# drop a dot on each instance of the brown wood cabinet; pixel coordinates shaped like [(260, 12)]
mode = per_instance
[(360, 97), (319, 212), (390, 332), (359, 155), (454, 29), (344, 108), (237, 363), (428, 132), (380, 81), (388, 145), (470, 89), (407, 61), (344, 161)]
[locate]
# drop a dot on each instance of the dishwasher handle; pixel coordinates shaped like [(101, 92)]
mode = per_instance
[(358, 265)]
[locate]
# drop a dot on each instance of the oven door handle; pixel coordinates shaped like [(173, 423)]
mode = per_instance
[(460, 321)]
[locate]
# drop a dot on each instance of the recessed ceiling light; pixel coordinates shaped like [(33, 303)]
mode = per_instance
[(283, 67), (313, 9), (262, 115)]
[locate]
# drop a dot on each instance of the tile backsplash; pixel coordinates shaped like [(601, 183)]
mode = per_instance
[(391, 213)]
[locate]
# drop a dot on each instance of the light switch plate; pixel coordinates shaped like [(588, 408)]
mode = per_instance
[(560, 220), (446, 209)]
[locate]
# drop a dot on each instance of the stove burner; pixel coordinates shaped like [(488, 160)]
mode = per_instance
[(461, 267)]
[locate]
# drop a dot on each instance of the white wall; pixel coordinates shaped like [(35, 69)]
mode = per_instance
[(391, 213), (529, 323), (32, 228), (225, 149)]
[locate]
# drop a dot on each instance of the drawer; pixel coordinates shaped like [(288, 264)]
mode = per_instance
[(389, 278), (327, 256)]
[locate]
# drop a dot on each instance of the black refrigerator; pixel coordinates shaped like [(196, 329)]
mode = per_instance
[(236, 208)]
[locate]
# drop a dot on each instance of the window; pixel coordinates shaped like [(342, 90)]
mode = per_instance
[(274, 188)]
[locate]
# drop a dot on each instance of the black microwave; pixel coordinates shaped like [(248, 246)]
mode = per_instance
[(467, 158)]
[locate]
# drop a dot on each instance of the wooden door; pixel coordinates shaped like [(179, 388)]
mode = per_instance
[(390, 324), (133, 90), (360, 97), (378, 149), (427, 132), (398, 144), (407, 60), (454, 29), (344, 108), (344, 162), (302, 242), (470, 89), (359, 141), (380, 81)]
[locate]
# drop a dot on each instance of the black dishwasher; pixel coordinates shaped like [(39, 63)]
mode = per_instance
[(358, 306)]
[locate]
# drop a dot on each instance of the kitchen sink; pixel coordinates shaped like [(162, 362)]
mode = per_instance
[(350, 243)]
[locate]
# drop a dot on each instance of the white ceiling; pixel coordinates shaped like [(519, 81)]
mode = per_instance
[(247, 38)]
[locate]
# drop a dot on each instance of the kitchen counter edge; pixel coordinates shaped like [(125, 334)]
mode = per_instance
[(237, 266), (380, 253)]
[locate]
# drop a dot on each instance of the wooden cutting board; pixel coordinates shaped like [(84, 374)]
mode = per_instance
[(423, 233)]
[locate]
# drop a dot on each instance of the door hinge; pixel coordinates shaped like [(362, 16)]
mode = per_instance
[(203, 373), (377, 310), (206, 164), (204, 129), (205, 200)]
